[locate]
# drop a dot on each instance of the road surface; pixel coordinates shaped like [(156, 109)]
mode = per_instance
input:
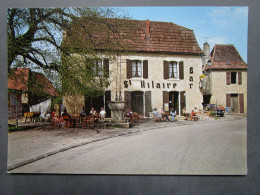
[(216, 148)]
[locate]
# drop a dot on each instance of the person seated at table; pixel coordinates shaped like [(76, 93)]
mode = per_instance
[(92, 111), (194, 116), (164, 115), (102, 114), (65, 113), (128, 114), (66, 116), (196, 110), (185, 114), (156, 115), (83, 112)]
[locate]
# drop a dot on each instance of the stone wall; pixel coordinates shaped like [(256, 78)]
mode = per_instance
[(73, 103), (220, 88), (194, 96)]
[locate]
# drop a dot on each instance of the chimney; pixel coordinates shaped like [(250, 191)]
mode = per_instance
[(147, 28)]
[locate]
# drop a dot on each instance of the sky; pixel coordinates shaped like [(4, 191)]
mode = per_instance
[(216, 25)]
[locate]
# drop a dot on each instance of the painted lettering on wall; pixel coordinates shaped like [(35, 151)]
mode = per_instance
[(191, 77), (143, 84), (191, 70), (125, 84)]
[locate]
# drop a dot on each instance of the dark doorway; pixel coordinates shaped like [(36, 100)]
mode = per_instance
[(137, 98), (98, 102), (174, 101), (206, 100)]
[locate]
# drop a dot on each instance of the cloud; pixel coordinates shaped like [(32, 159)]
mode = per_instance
[(217, 40), (228, 16)]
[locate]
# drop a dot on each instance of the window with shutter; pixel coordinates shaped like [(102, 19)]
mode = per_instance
[(128, 69), (173, 73), (233, 77), (166, 69), (97, 69), (181, 70), (106, 68), (145, 69), (136, 68), (228, 75)]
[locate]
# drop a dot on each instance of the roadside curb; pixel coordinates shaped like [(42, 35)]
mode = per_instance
[(104, 137)]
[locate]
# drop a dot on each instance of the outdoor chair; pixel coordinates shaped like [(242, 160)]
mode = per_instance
[(67, 121), (141, 117), (85, 121), (135, 117), (55, 122)]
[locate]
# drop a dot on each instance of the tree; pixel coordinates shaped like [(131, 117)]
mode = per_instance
[(35, 39)]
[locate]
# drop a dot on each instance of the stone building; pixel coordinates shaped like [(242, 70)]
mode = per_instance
[(226, 80), (161, 70), (23, 83)]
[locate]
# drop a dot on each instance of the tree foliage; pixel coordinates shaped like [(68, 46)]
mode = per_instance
[(35, 40)]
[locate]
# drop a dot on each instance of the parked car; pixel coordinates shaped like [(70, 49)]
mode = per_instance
[(216, 108)]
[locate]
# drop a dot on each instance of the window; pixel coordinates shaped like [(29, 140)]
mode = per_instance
[(173, 70), (136, 68), (101, 68), (173, 73), (98, 68), (233, 77)]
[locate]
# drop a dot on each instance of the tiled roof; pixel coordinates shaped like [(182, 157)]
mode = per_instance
[(145, 36), (226, 57), (19, 80)]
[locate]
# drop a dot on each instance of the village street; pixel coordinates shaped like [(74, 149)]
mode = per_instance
[(214, 147)]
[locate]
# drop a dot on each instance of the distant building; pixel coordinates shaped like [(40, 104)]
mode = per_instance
[(162, 71), (226, 78), (27, 88)]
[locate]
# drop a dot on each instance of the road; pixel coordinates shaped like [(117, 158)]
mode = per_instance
[(216, 148)]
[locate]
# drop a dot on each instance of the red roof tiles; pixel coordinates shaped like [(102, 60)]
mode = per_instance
[(226, 57), (19, 80), (145, 36)]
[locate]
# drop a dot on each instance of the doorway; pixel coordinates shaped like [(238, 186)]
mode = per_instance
[(234, 103), (206, 100), (174, 101), (137, 102), (98, 102)]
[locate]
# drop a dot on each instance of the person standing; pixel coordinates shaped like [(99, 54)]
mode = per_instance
[(173, 114)]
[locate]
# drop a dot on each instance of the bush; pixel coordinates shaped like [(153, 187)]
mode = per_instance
[(12, 128)]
